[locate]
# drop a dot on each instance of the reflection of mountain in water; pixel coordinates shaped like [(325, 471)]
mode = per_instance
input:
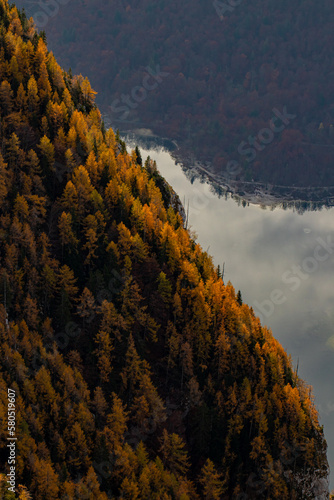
[(265, 195), (300, 199)]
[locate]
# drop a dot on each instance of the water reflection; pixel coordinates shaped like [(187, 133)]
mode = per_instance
[(273, 257)]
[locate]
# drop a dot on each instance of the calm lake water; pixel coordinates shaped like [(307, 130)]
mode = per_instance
[(282, 261)]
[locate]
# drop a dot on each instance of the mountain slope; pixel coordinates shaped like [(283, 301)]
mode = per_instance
[(138, 373)]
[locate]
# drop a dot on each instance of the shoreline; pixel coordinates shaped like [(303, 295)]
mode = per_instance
[(255, 193)]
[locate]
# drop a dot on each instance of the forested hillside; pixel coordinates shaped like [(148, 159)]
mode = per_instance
[(138, 372), (226, 66)]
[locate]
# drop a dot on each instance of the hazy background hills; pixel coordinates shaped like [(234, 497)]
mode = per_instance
[(228, 68)]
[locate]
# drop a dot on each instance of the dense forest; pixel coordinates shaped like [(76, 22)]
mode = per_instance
[(221, 67), (138, 372)]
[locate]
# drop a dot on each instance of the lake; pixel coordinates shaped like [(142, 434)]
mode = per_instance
[(282, 261)]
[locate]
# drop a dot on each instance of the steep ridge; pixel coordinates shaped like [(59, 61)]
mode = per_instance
[(138, 373)]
